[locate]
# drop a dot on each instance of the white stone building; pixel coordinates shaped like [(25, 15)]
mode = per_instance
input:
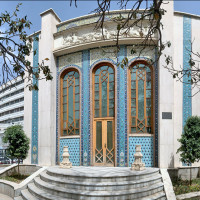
[(11, 105), (102, 111)]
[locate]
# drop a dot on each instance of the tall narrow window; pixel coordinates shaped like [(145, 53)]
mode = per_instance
[(104, 92), (140, 98), (70, 103)]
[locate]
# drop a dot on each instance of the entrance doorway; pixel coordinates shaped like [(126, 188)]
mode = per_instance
[(104, 115)]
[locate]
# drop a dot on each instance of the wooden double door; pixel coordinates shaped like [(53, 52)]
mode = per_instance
[(103, 142)]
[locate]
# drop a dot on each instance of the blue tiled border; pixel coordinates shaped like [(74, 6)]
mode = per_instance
[(85, 122), (187, 91), (34, 140)]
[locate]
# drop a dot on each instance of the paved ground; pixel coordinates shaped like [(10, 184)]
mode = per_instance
[(5, 197)]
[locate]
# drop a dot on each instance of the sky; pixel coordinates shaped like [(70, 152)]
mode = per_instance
[(62, 8)]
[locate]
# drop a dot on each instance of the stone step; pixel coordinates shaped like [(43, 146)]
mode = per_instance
[(97, 186), (26, 195), (18, 198), (90, 195), (111, 174), (157, 196), (40, 194)]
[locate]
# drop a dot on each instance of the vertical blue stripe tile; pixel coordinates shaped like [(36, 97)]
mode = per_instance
[(34, 139), (121, 111), (187, 90), (85, 124)]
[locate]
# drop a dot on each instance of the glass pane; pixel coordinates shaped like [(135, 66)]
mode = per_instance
[(133, 121), (148, 102), (133, 130), (64, 132), (70, 105), (111, 93), (133, 93), (148, 111), (109, 135), (64, 91), (111, 112), (99, 135), (64, 84), (96, 104), (64, 125), (77, 114), (64, 107), (96, 87), (64, 116), (133, 84), (97, 95), (65, 99), (111, 85), (148, 121), (77, 123), (141, 99), (148, 93), (133, 76), (96, 113), (77, 90), (77, 131), (133, 111), (104, 99), (148, 85), (133, 102), (77, 97)]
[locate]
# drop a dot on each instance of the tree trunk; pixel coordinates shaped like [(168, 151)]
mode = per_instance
[(190, 175), (18, 166)]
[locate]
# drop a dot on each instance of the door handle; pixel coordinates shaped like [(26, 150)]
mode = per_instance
[(105, 145)]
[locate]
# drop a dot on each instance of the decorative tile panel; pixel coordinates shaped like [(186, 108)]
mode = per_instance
[(70, 59), (147, 150), (88, 20), (148, 53), (34, 139), (85, 122), (187, 90), (122, 111), (106, 52), (74, 150)]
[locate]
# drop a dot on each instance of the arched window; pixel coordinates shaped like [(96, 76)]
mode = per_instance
[(140, 98), (104, 115), (70, 103), (104, 92)]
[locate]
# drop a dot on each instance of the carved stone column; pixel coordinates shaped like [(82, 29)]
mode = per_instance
[(65, 162), (138, 165)]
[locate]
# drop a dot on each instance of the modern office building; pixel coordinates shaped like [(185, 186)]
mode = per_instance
[(11, 105), (101, 111)]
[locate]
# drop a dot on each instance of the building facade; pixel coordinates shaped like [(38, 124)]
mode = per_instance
[(11, 105), (100, 110)]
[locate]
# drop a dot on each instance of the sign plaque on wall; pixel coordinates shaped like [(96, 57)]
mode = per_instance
[(166, 115)]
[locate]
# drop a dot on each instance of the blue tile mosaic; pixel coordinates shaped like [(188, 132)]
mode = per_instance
[(74, 150), (187, 90), (34, 139), (147, 150), (122, 110), (85, 116)]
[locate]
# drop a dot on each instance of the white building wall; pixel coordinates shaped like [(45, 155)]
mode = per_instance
[(47, 93), (178, 86), (196, 48), (166, 93)]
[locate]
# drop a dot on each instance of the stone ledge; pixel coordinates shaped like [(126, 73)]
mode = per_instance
[(188, 196)]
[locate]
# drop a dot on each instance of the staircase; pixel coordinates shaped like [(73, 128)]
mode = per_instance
[(92, 183)]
